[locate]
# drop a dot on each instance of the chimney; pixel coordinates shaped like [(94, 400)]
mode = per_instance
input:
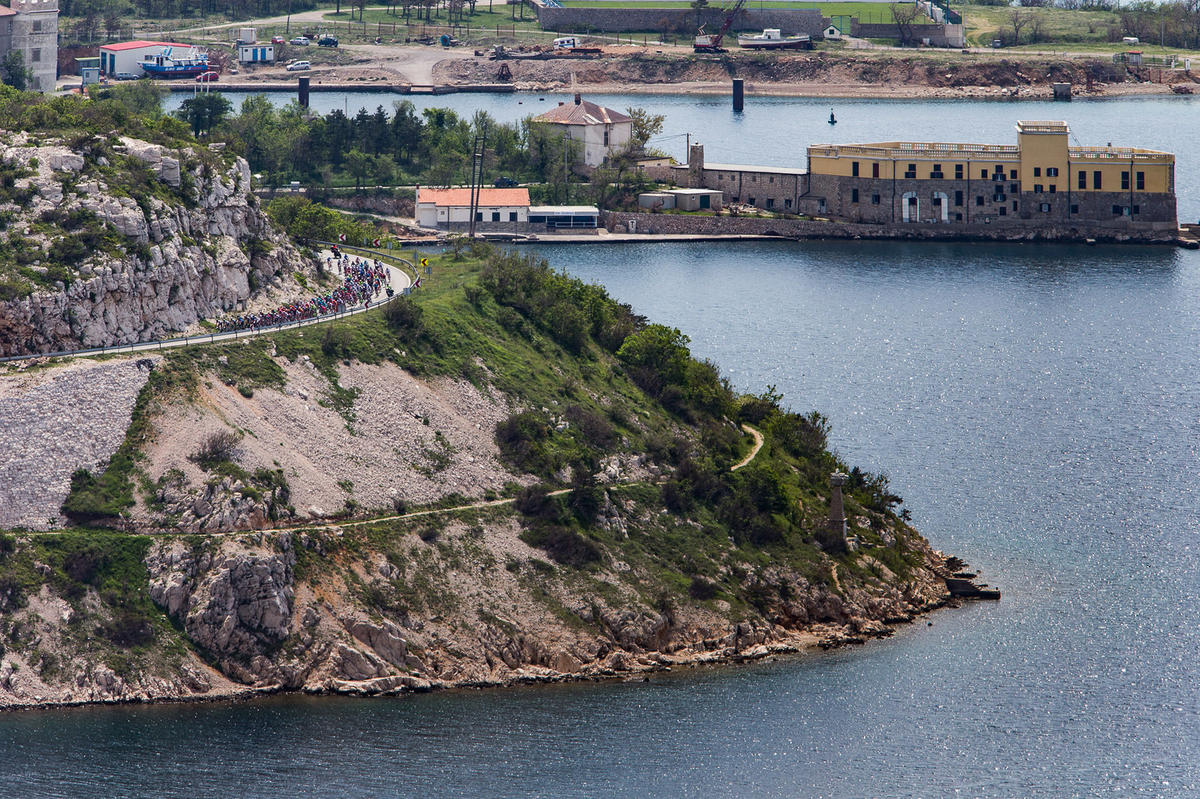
[(578, 99)]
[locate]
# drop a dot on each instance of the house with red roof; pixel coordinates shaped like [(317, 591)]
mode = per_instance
[(497, 209), (599, 131)]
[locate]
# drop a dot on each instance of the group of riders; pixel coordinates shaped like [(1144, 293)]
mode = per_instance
[(362, 279)]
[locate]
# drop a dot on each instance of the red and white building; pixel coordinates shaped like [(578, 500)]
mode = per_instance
[(498, 209)]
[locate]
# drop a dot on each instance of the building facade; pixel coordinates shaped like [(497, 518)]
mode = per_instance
[(1040, 183), (450, 209), (600, 131), (30, 27), (128, 56)]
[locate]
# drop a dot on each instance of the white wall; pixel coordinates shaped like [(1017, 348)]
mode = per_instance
[(429, 215), (592, 139)]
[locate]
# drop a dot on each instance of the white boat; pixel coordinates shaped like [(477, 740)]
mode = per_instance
[(772, 39)]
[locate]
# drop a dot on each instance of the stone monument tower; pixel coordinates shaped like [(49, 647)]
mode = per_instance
[(833, 538)]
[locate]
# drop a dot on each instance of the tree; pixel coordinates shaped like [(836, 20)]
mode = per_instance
[(13, 71), (906, 18), (657, 357), (142, 97), (204, 111), (1018, 19), (698, 6), (645, 126), (358, 164)]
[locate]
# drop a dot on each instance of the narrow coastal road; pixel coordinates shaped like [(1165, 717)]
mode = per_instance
[(398, 281)]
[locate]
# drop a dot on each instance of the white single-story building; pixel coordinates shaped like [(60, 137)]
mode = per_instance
[(601, 131), (564, 217), (443, 208), (833, 32), (696, 199), (127, 56), (256, 53)]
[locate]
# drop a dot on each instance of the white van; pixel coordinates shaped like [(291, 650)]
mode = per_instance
[(566, 42)]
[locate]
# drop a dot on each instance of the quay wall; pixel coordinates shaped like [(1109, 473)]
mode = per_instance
[(695, 224)]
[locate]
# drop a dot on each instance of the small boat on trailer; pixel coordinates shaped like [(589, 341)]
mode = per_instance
[(172, 62), (773, 39)]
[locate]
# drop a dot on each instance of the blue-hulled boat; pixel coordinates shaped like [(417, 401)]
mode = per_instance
[(173, 63)]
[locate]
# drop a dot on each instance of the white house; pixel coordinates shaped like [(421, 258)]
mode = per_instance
[(127, 56), (833, 32), (30, 27), (601, 131), (498, 208)]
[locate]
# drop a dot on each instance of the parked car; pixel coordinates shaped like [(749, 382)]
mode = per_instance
[(505, 183), (301, 41), (206, 77), (278, 40), (126, 76), (328, 41), (296, 66)]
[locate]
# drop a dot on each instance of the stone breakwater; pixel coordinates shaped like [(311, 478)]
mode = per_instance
[(54, 421), (205, 253), (696, 225)]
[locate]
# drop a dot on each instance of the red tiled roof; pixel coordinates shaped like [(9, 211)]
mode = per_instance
[(582, 113), (462, 197), (139, 44)]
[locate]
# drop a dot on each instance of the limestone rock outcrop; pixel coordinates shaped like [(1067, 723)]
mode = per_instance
[(191, 245)]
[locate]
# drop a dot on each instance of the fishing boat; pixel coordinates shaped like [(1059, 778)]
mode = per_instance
[(174, 62), (773, 39)]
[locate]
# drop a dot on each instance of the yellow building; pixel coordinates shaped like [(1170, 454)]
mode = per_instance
[(1043, 180)]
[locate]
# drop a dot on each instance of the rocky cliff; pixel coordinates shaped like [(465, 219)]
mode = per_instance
[(113, 240)]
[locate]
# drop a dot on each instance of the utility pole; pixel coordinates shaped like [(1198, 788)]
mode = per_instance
[(476, 179)]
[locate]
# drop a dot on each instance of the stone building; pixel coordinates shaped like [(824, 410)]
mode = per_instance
[(600, 131), (1041, 182), (30, 27)]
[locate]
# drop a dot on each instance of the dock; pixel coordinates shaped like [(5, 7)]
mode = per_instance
[(340, 86)]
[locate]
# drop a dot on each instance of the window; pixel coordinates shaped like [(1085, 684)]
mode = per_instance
[(787, 203), (752, 201), (605, 137), (1003, 210), (1074, 209), (37, 26), (1116, 210), (979, 200), (1051, 171), (958, 171), (478, 216), (1096, 184), (1044, 208), (958, 198), (874, 170), (754, 178), (998, 197), (958, 217), (1012, 175), (853, 169), (1014, 188), (771, 200), (1082, 179), (771, 179), (495, 216), (35, 55), (874, 199), (911, 172), (854, 195), (983, 174), (1141, 178), (512, 216), (1053, 188), (1137, 209), (1014, 205), (999, 170), (720, 176), (1037, 188), (1037, 171), (936, 172), (1124, 180)]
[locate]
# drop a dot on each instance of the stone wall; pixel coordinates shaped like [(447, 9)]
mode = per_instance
[(682, 224), (938, 35), (626, 20)]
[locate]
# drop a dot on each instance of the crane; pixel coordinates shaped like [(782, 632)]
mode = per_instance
[(711, 42)]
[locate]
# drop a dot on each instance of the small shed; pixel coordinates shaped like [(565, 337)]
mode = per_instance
[(662, 200), (696, 199), (832, 32), (256, 53)]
